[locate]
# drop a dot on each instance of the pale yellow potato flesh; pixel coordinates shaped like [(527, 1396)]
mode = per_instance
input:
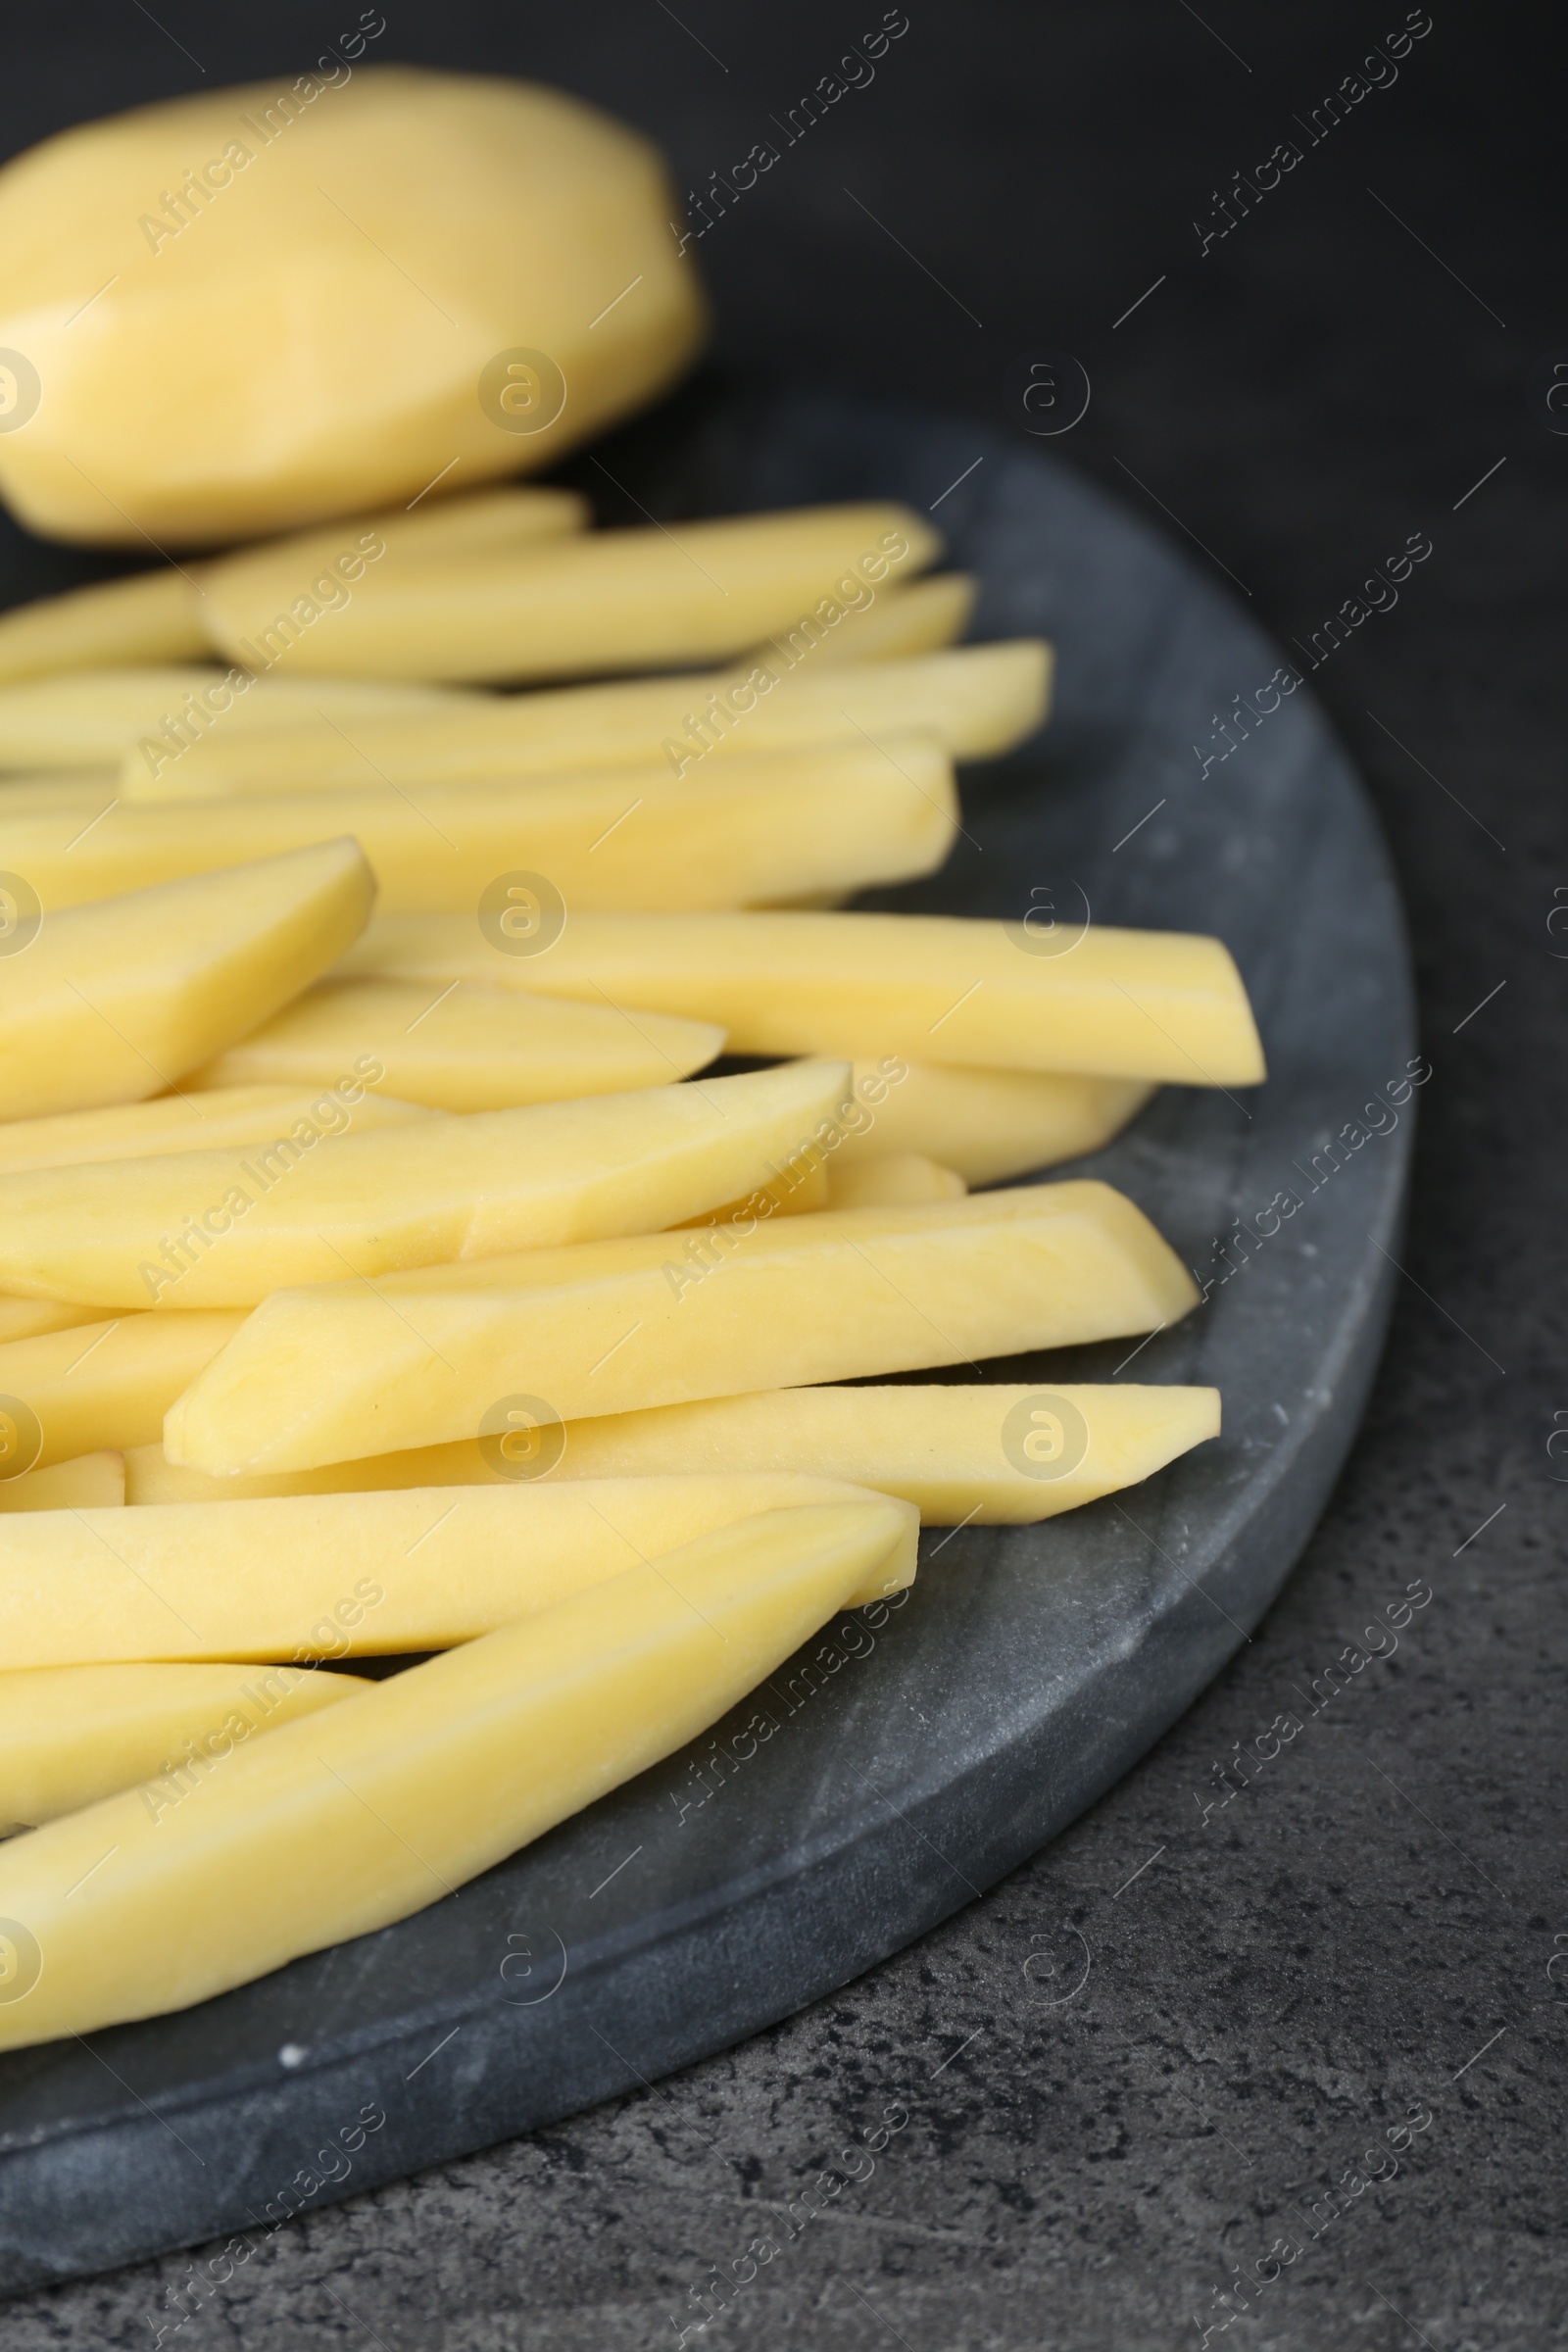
[(898, 1180), (323, 314), (149, 618), (70, 1736), (919, 617), (987, 1124), (976, 702), (90, 1481), (29, 1318), (326, 1374), (1157, 1005), (947, 1451), (201, 1121), (330, 1828), (362, 1574), (105, 1384), (603, 600), (99, 717), (114, 1003), (468, 1047), (754, 825), (205, 1228)]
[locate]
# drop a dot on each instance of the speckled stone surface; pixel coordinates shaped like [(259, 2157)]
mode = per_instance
[(1084, 2161)]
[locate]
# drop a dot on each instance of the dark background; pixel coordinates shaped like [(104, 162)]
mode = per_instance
[(1324, 1955)]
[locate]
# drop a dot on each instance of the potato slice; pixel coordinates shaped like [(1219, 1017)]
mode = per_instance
[(327, 294), (898, 1180), (917, 618), (149, 618), (603, 602), (309, 1576), (96, 717), (1142, 1005), (70, 1736), (101, 1384), (463, 1047), (202, 1229), (323, 1375), (91, 1482), (730, 832), (329, 1828), (200, 1121), (977, 702), (987, 1124), (982, 1455), (112, 1003)]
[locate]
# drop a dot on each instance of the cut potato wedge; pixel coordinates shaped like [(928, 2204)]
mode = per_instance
[(323, 1375), (95, 717), (747, 827), (70, 1736), (112, 1003), (201, 1229), (105, 1384), (604, 601), (310, 1576), (150, 616), (463, 1047), (91, 1482), (977, 702), (987, 1124), (370, 1810), (1155, 1006), (201, 1118), (981, 1456)]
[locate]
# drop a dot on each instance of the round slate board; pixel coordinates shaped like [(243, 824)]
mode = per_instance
[(915, 1755)]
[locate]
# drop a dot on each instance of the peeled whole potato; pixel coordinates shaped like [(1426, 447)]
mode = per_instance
[(252, 310)]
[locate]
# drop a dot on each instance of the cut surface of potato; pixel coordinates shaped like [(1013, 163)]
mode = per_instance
[(102, 717), (91, 1482), (464, 1048), (918, 617), (371, 1810), (1155, 1006), (754, 825), (31, 1318), (323, 1375), (987, 1124), (311, 1576), (326, 296), (898, 1180), (977, 702), (601, 600), (200, 1119), (70, 1736), (202, 1229), (149, 618), (112, 1003), (105, 1384)]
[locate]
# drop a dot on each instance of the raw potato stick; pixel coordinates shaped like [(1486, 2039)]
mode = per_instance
[(93, 718), (468, 1047), (977, 703), (898, 1180), (112, 1003), (31, 1318), (323, 1375), (328, 1829), (70, 1736), (199, 1121), (201, 1229), (603, 600), (152, 616), (918, 618), (983, 1454), (301, 1577), (754, 825), (92, 1482), (1157, 1005), (101, 1384), (987, 1124)]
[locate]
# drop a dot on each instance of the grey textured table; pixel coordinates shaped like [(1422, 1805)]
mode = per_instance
[(1360, 1943)]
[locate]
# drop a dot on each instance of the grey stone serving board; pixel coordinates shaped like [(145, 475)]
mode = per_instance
[(918, 1757)]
